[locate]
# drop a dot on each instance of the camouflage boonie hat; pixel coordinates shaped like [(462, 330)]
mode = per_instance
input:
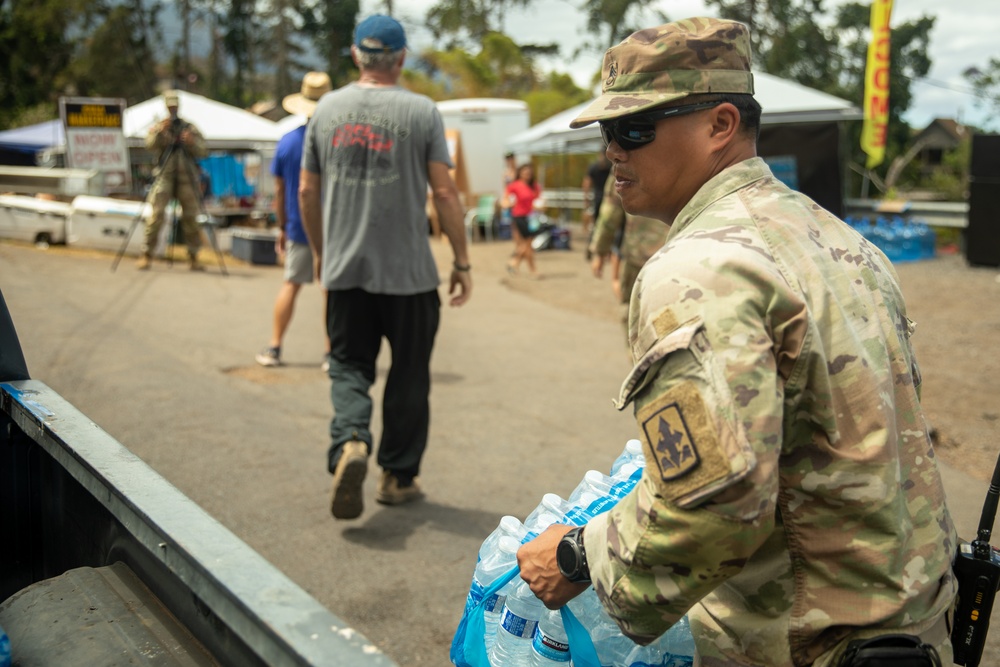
[(658, 65)]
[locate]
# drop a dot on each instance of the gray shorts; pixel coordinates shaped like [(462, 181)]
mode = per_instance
[(298, 263)]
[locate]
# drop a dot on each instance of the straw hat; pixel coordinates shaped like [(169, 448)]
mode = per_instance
[(314, 85)]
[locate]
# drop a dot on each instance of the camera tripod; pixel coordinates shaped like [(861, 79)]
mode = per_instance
[(202, 220)]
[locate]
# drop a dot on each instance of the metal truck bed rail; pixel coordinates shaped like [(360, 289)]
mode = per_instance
[(72, 496)]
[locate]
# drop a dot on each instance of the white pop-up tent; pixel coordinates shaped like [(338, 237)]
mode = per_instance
[(800, 136), (224, 127), (782, 101)]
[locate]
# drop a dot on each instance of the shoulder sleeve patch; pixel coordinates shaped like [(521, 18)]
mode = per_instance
[(682, 445)]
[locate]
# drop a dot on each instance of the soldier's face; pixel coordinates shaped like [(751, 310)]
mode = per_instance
[(658, 178)]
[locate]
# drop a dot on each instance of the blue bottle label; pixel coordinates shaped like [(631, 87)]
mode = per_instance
[(495, 603), (517, 626)]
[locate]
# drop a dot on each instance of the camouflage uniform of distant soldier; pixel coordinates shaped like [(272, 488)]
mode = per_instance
[(641, 237), (176, 144), (791, 501)]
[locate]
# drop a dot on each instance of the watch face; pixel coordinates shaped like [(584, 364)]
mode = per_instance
[(567, 558)]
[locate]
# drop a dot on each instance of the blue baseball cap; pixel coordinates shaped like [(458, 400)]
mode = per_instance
[(379, 34)]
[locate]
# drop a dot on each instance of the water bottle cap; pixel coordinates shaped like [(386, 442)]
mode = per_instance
[(509, 545), (511, 525), (634, 446), (552, 500)]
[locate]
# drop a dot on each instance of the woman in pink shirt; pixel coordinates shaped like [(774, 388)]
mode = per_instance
[(520, 198)]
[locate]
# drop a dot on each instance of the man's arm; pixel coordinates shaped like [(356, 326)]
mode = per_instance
[(279, 212), (450, 215), (312, 220)]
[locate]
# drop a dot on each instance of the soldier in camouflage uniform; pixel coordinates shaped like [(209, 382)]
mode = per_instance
[(176, 144), (791, 501), (641, 238)]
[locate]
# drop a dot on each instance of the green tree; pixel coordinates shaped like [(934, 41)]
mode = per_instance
[(35, 48), (116, 58), (986, 82), (330, 24), (611, 21), (466, 22)]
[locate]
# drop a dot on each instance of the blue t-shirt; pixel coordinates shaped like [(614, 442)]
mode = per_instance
[(286, 164)]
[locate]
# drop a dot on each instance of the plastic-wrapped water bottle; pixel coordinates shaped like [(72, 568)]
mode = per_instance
[(4, 649), (550, 645), (518, 622), (509, 526), (549, 511), (613, 648), (488, 569), (592, 495), (674, 648), (632, 453)]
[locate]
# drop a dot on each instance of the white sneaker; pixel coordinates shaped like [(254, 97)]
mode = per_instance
[(269, 356)]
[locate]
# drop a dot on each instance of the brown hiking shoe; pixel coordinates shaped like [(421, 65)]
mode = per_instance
[(346, 497), (196, 265), (391, 493), (143, 262)]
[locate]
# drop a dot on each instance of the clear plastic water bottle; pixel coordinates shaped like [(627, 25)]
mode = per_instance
[(674, 648), (518, 623), (509, 526), (613, 648), (492, 566), (4, 649), (592, 496), (549, 511), (550, 645), (632, 453), (682, 647)]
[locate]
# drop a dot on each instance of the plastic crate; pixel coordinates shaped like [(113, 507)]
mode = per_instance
[(254, 247)]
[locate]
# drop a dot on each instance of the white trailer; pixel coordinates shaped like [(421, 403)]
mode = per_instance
[(483, 126)]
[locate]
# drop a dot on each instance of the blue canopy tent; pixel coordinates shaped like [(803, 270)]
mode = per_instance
[(19, 146)]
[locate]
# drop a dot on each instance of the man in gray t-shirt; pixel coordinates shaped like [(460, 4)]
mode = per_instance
[(371, 151)]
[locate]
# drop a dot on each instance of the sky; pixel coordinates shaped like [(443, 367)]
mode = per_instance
[(964, 35)]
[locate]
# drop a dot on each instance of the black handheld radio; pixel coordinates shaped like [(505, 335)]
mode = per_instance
[(977, 568)]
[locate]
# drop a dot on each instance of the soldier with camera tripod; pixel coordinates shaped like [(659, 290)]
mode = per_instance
[(177, 144)]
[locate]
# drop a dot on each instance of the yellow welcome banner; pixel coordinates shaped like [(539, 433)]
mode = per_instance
[(873, 132)]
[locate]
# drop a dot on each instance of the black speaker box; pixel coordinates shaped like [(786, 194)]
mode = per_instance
[(982, 235)]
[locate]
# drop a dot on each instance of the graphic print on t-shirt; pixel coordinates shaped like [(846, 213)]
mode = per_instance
[(363, 149)]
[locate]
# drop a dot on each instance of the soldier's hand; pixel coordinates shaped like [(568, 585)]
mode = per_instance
[(537, 560), (597, 264)]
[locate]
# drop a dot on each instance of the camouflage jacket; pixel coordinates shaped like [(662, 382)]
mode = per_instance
[(179, 165), (791, 498), (642, 236)]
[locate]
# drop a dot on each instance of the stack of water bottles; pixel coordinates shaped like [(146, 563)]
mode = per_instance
[(4, 649), (899, 239), (518, 630)]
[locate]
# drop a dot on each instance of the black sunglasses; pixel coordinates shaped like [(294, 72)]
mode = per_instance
[(631, 132)]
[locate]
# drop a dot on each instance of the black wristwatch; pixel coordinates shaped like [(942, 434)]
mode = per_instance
[(571, 556)]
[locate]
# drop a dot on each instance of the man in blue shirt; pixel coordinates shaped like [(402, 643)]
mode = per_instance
[(292, 242)]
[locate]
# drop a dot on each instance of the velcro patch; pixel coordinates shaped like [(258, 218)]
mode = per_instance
[(682, 442)]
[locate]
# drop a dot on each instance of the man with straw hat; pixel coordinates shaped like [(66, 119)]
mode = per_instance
[(292, 242), (790, 504)]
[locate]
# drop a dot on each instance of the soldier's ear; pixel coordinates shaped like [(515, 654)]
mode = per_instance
[(725, 120)]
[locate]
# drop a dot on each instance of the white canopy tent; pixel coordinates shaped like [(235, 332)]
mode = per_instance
[(782, 101), (223, 126)]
